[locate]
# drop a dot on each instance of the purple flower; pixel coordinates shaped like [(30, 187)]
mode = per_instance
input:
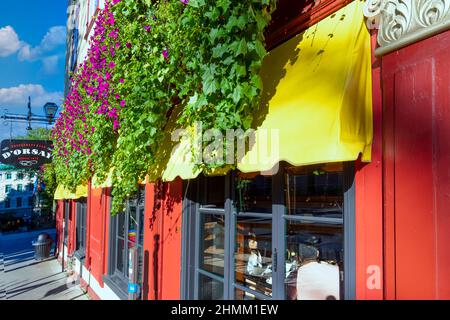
[(184, 1), (122, 103), (121, 80), (165, 53), (147, 28), (128, 45), (111, 65)]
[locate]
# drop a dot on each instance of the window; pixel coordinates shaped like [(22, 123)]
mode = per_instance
[(8, 176), (126, 235), (18, 202), (81, 227), (30, 201), (271, 237), (7, 203), (20, 176), (19, 187), (7, 188)]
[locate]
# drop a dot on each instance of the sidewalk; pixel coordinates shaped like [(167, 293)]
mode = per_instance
[(24, 278)]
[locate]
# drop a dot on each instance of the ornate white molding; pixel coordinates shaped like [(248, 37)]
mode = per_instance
[(403, 22)]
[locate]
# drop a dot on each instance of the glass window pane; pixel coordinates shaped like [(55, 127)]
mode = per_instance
[(212, 243), (315, 190), (120, 254), (253, 256), (243, 295), (141, 225), (213, 192), (121, 225), (253, 193), (314, 261), (132, 226), (209, 289)]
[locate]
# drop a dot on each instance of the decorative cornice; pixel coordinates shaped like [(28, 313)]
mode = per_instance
[(403, 22)]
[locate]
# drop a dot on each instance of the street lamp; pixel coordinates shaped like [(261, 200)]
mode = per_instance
[(50, 110)]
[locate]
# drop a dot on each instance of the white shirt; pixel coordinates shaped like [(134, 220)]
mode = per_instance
[(318, 281)]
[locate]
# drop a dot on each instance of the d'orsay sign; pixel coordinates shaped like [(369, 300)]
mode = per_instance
[(26, 154)]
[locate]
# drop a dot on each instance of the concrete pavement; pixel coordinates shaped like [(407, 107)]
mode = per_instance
[(24, 278)]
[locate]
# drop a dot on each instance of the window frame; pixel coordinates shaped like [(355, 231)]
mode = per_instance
[(191, 237), (19, 202), (116, 279), (81, 228)]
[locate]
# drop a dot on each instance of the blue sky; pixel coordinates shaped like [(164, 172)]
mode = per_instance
[(32, 56)]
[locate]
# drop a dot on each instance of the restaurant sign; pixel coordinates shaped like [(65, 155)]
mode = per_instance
[(26, 154)]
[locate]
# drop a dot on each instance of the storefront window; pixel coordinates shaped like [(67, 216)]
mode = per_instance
[(315, 190), (210, 289), (314, 261), (253, 193), (213, 243), (81, 226), (253, 255), (127, 235), (277, 237), (213, 191)]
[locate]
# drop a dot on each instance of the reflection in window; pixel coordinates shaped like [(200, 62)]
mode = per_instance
[(243, 295), (213, 192), (213, 243), (253, 193), (209, 289), (253, 255), (315, 190), (314, 261)]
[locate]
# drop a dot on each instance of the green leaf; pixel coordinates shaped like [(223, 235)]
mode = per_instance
[(237, 94)]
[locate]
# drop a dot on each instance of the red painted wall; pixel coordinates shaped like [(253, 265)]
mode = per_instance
[(369, 203), (72, 227), (97, 232), (416, 90), (162, 241), (59, 223)]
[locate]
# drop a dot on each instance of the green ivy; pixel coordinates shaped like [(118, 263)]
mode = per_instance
[(205, 55)]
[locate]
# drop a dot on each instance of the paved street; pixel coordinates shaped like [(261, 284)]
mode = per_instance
[(24, 278)]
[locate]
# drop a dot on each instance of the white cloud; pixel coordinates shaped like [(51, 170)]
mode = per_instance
[(9, 41), (16, 97), (55, 37), (50, 64)]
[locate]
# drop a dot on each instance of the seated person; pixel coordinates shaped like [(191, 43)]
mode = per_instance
[(254, 263), (316, 280)]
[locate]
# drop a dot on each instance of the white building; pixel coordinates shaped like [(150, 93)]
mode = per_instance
[(16, 191)]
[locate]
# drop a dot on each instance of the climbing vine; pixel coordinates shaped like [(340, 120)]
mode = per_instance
[(145, 57)]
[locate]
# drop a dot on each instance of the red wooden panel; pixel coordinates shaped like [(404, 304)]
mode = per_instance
[(162, 241), (171, 242), (416, 89), (414, 221), (368, 202), (442, 169), (59, 223), (150, 290), (96, 232)]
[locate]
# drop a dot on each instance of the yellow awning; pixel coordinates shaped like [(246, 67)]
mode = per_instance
[(316, 105), (318, 92), (62, 193)]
